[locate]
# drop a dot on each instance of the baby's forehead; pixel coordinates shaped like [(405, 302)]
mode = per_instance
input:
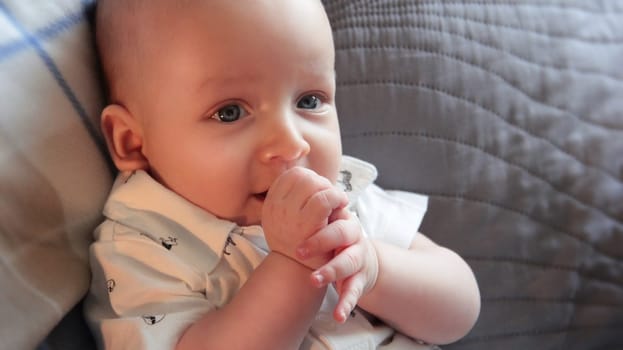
[(132, 31), (136, 13)]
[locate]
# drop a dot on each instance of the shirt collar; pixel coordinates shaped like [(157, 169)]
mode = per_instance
[(355, 175), (141, 203)]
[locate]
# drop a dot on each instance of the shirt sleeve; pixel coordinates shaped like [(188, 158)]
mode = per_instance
[(391, 216), (142, 297)]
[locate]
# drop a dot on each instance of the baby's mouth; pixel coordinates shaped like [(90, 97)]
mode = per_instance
[(261, 196)]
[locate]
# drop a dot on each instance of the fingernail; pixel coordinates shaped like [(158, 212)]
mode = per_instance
[(318, 279), (342, 317)]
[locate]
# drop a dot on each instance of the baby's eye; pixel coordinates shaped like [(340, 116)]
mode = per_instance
[(229, 113), (309, 102)]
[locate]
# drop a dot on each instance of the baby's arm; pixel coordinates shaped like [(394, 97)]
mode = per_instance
[(427, 292), (275, 307), (273, 310)]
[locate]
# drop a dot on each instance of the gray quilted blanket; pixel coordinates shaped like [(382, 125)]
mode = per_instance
[(509, 115)]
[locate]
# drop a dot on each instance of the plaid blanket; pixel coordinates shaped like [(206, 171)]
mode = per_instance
[(54, 173)]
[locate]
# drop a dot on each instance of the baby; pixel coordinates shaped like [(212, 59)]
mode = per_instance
[(235, 222)]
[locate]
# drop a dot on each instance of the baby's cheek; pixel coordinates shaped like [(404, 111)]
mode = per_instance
[(328, 167)]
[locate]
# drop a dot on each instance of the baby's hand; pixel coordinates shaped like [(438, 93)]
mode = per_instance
[(354, 267), (298, 204)]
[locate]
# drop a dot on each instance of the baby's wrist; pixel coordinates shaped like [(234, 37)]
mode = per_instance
[(292, 259), (311, 264)]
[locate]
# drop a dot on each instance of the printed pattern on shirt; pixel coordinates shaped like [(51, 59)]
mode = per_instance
[(153, 319), (168, 242), (345, 180)]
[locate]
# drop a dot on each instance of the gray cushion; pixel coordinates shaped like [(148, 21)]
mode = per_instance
[(509, 115)]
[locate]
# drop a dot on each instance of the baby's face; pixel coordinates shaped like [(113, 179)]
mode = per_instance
[(234, 93)]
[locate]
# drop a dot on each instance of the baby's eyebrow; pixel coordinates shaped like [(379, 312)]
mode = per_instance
[(227, 80), (318, 74)]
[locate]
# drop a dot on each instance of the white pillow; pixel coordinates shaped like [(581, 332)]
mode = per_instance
[(54, 174)]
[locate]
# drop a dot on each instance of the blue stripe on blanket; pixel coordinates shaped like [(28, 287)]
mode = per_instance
[(7, 50), (44, 34), (35, 41)]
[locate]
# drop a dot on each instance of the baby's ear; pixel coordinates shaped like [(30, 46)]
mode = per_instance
[(124, 138)]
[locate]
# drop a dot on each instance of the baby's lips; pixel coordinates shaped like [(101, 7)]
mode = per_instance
[(261, 195)]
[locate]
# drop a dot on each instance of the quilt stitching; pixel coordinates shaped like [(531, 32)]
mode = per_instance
[(498, 116), (501, 206), (555, 301), (581, 272), (488, 153), (541, 332), (465, 144), (590, 248), (517, 56), (400, 12), (602, 126), (512, 4)]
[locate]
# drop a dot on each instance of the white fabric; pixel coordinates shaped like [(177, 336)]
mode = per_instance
[(159, 262)]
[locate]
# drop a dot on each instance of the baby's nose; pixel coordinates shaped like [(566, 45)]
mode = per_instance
[(284, 141)]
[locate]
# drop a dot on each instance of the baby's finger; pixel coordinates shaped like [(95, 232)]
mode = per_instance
[(296, 185), (348, 262), (324, 202), (340, 214), (338, 234), (350, 293)]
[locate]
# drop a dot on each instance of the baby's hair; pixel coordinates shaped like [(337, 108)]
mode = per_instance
[(118, 36), (120, 29), (113, 40)]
